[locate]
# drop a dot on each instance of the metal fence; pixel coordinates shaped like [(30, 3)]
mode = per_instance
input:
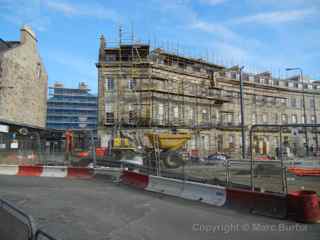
[(17, 225), (36, 148), (265, 169)]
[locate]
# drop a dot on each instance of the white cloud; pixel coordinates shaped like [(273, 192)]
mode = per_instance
[(63, 7), (22, 12), (276, 17), (213, 2), (214, 28), (88, 10)]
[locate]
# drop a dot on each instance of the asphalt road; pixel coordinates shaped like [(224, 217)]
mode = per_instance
[(99, 209)]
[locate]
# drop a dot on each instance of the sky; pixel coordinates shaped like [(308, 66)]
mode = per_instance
[(262, 35)]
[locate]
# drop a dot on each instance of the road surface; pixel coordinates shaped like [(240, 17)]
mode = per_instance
[(99, 209)]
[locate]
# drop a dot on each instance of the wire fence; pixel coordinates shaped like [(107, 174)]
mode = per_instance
[(274, 154)]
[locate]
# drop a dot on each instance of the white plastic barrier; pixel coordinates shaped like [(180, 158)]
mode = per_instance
[(54, 171), (9, 169), (210, 194), (167, 186), (107, 171)]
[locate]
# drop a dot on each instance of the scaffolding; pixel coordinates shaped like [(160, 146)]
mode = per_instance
[(157, 89)]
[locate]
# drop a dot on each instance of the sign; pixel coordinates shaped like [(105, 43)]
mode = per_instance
[(4, 128), (14, 144)]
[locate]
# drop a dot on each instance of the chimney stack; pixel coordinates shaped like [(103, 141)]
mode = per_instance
[(28, 36)]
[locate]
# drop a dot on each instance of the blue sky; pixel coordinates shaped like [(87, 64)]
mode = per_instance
[(260, 34)]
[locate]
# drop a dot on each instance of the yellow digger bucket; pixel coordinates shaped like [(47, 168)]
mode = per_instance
[(169, 141)]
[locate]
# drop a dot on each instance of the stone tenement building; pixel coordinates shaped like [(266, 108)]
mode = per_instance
[(23, 82), (148, 90)]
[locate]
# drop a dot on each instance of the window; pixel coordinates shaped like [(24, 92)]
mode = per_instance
[(182, 65), (229, 118), (111, 57), (254, 118), (264, 118), (284, 119), (110, 84), (294, 119), (132, 83), (205, 115), (196, 68), (312, 103), (175, 112), (254, 99), (283, 101), (293, 102), (313, 119), (302, 119), (276, 118), (301, 103)]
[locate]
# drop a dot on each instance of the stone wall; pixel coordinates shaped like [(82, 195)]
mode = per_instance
[(23, 100)]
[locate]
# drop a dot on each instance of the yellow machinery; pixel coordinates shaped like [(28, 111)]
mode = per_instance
[(165, 149), (167, 146), (121, 142), (168, 141)]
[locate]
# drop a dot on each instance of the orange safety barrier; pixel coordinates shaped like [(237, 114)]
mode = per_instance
[(30, 170), (82, 154), (79, 172), (300, 171), (303, 206), (100, 152)]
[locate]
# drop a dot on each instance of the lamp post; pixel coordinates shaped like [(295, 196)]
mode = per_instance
[(303, 105), (242, 114), (315, 122)]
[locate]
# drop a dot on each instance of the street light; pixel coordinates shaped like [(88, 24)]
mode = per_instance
[(242, 114), (303, 105)]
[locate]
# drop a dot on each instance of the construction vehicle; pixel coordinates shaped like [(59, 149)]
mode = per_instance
[(125, 149), (166, 148)]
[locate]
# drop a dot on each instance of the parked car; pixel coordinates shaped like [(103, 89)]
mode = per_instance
[(216, 158)]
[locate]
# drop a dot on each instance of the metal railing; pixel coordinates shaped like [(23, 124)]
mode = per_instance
[(281, 128), (33, 233)]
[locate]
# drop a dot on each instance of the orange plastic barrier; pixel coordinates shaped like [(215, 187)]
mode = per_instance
[(300, 171), (83, 154), (30, 171), (100, 152)]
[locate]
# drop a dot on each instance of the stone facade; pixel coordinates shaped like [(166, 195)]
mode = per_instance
[(155, 90), (23, 81)]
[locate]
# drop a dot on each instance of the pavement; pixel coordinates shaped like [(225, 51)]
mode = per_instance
[(98, 209)]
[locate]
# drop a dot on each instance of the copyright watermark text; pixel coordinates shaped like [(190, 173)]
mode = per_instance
[(253, 227)]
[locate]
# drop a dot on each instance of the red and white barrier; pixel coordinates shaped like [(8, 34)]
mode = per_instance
[(172, 187), (210, 194), (53, 171), (303, 206), (46, 171), (9, 169)]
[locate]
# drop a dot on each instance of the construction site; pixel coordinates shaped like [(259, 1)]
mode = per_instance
[(144, 89)]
